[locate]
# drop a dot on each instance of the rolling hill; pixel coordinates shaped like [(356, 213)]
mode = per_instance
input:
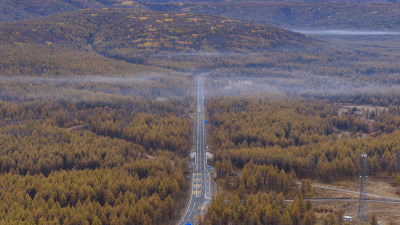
[(131, 35)]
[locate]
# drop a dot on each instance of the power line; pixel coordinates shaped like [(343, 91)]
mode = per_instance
[(362, 203)]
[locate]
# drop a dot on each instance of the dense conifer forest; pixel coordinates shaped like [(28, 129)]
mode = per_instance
[(97, 108), (301, 136), (96, 151)]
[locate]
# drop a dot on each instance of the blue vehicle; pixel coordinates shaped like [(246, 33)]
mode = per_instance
[(206, 122)]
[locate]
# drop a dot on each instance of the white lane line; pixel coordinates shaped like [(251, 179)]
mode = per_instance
[(187, 210), (201, 163)]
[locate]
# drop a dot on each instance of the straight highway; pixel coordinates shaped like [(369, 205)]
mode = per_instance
[(201, 187)]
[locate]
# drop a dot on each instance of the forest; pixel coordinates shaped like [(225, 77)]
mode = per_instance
[(271, 148), (301, 136), (31, 59), (260, 209), (114, 155)]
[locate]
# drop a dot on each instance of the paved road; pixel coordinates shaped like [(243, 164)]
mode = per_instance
[(201, 186)]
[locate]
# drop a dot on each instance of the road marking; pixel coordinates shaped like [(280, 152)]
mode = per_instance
[(197, 193), (197, 185), (200, 174)]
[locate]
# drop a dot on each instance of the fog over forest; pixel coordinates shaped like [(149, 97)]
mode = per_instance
[(297, 84), (346, 32), (84, 79)]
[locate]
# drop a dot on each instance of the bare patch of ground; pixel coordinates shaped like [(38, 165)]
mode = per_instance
[(359, 110), (380, 184), (384, 211), (347, 134)]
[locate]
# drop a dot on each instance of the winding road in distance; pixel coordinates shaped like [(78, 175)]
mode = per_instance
[(201, 187)]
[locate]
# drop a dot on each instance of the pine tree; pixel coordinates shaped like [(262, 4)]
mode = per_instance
[(309, 218), (373, 220), (329, 219), (286, 219)]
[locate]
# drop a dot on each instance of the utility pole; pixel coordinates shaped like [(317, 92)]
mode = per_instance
[(362, 203)]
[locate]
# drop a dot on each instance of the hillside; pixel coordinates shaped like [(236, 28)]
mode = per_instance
[(56, 60), (287, 14), (132, 35), (11, 10)]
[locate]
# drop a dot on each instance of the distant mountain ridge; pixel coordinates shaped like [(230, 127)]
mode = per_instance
[(12, 10), (299, 14)]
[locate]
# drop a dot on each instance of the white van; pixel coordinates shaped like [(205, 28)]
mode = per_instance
[(347, 218)]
